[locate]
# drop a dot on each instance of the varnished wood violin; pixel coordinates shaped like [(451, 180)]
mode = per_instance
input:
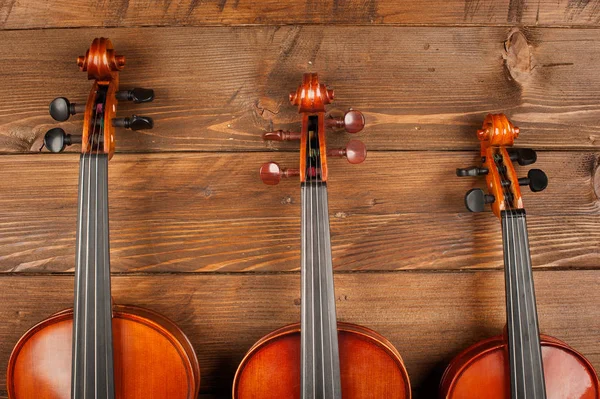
[(320, 357), (521, 363), (97, 349)]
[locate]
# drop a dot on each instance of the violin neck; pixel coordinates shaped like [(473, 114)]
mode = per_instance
[(92, 366), (525, 353), (320, 352)]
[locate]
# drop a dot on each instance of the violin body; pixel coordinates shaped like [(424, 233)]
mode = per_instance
[(319, 357), (152, 358), (481, 371), (370, 366), (97, 349)]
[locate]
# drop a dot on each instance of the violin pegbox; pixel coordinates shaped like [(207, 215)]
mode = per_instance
[(102, 65), (311, 97), (503, 185)]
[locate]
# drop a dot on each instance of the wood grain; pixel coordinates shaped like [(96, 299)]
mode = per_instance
[(210, 212), (219, 88), (429, 317), (28, 14)]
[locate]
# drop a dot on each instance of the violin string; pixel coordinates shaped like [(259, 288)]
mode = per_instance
[(96, 260), (515, 275), (303, 299), (86, 285), (527, 280), (513, 272), (78, 273), (95, 151), (312, 260), (509, 264), (524, 275), (104, 266), (332, 322), (317, 155), (510, 304), (535, 344), (521, 274)]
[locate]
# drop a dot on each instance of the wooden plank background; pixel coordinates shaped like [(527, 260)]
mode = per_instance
[(197, 237)]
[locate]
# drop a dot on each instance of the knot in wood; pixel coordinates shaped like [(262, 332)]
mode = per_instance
[(518, 57)]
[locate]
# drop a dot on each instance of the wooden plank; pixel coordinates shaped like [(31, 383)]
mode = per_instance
[(219, 88), (429, 317), (210, 212), (28, 14), (4, 395)]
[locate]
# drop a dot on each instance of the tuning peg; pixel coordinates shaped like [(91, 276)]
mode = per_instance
[(271, 173), (55, 140), (475, 200), (524, 156), (281, 135), (61, 109), (353, 121), (536, 180), (137, 95), (472, 171), (355, 152), (134, 122)]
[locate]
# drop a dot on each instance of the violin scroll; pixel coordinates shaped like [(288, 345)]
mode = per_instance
[(100, 60), (102, 65), (311, 98), (503, 184), (497, 130)]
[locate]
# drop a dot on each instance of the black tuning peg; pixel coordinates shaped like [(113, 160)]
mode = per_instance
[(536, 180), (475, 200), (472, 171), (55, 140), (134, 122), (137, 95), (61, 109), (524, 156)]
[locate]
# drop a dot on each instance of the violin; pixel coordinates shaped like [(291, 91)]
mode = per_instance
[(521, 363), (98, 349), (320, 357)]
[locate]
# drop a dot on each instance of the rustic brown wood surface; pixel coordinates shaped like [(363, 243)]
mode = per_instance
[(219, 88), (429, 317), (27, 14), (210, 212), (197, 237)]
